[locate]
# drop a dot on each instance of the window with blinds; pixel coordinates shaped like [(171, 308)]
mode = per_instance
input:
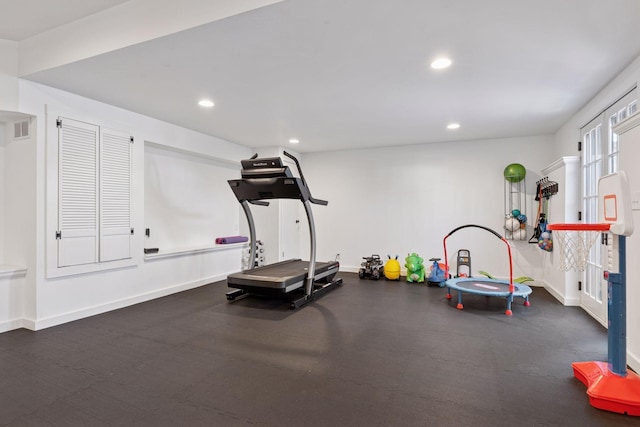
[(94, 194)]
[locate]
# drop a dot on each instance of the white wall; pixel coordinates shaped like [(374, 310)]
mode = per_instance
[(19, 199), (188, 202), (57, 300), (17, 219), (568, 135), (8, 73), (562, 208), (2, 184), (400, 200)]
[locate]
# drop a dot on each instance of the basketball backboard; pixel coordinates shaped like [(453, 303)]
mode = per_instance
[(614, 203)]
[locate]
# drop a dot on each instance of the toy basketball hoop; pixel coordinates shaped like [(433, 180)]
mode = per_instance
[(574, 242), (609, 386)]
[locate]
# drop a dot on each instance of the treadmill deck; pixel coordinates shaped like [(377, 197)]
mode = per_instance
[(284, 275)]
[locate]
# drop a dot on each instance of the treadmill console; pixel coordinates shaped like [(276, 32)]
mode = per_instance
[(267, 167)]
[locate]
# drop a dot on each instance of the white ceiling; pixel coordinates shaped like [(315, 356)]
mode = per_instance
[(21, 19), (340, 74)]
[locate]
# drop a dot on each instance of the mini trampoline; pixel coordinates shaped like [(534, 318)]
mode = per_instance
[(486, 286)]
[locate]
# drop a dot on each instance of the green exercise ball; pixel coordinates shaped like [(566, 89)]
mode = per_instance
[(514, 172)]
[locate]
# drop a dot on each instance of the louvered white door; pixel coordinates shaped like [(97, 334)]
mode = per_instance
[(77, 193), (115, 195)]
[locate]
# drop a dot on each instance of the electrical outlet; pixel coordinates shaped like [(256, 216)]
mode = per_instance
[(635, 200)]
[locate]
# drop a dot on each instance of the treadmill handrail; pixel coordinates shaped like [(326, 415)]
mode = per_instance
[(318, 201), (304, 181)]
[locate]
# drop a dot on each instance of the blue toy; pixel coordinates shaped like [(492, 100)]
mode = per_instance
[(437, 276), (546, 243)]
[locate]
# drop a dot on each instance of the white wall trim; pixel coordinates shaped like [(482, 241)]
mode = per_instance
[(127, 24), (573, 302), (10, 325), (596, 317), (115, 305), (627, 124), (633, 361), (12, 284), (561, 162), (12, 271), (191, 152), (74, 270), (190, 251)]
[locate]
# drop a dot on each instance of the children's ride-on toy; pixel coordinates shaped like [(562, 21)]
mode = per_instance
[(371, 267), (392, 269), (437, 275), (415, 268)]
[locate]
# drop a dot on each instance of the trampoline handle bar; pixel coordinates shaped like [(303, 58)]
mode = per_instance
[(476, 226), (446, 260)]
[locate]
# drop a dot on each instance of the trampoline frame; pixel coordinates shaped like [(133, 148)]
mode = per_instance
[(515, 290)]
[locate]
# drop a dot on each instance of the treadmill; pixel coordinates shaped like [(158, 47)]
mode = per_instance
[(264, 179)]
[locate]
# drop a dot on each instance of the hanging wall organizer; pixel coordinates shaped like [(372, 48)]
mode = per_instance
[(545, 188), (515, 202)]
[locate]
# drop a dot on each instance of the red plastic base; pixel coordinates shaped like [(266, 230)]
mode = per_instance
[(459, 306), (607, 390)]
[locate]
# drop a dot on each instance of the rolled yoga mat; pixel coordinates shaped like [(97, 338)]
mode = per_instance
[(231, 239)]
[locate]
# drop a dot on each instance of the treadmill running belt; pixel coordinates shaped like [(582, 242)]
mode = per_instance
[(282, 275)]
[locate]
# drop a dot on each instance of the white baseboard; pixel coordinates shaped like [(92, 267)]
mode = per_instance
[(344, 269), (114, 305), (633, 361), (10, 325), (12, 283), (557, 295)]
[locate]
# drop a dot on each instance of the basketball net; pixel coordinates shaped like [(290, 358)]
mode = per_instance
[(574, 246)]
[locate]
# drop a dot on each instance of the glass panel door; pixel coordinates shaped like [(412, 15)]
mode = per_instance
[(599, 157)]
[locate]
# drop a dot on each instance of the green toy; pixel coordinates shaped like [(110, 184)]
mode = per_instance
[(514, 172), (415, 268), (520, 279)]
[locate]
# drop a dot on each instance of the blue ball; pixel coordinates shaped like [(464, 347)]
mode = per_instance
[(522, 218)]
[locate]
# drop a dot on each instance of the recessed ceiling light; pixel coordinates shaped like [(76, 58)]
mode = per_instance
[(441, 63), (206, 103), (294, 141), (453, 125)]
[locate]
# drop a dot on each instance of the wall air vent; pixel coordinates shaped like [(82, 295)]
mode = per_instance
[(21, 129)]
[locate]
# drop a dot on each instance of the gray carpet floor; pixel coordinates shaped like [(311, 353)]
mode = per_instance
[(370, 353)]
